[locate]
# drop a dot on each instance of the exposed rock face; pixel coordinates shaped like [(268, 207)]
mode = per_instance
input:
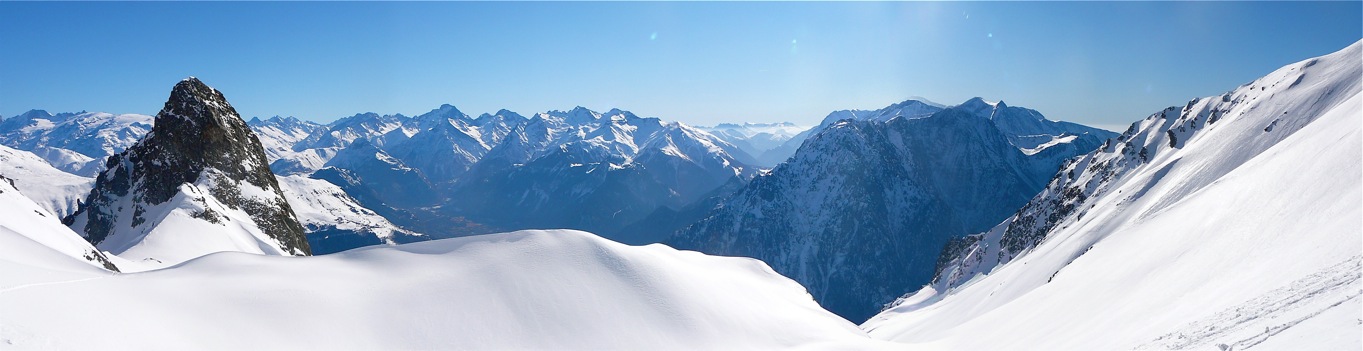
[(866, 204), (864, 207), (201, 160)]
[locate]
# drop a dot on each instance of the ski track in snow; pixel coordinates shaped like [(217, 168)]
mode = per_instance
[(19, 287), (1236, 328)]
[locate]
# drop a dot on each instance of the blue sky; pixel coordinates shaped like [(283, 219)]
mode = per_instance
[(1099, 63)]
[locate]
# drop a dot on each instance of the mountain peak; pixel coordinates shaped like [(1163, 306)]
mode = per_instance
[(445, 111), (621, 114), (196, 103), (577, 116), (976, 102), (925, 101), (27, 117), (35, 113), (199, 167)]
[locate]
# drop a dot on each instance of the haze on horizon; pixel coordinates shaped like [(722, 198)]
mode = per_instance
[(1103, 64)]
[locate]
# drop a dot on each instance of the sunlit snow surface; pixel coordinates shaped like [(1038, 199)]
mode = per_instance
[(521, 290), (56, 191)]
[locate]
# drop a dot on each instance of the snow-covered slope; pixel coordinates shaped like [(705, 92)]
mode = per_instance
[(96, 135), (56, 191), (334, 221), (1233, 221), (522, 290), (32, 237), (196, 184), (70, 161), (279, 134)]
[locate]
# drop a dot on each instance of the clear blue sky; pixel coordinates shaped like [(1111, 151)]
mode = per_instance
[(1098, 63)]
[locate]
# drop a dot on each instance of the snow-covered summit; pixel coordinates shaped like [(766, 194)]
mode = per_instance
[(56, 191)]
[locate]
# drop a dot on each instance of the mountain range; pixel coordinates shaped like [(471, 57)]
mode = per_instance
[(1228, 222)]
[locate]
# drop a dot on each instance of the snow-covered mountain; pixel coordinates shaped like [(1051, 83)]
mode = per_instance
[(865, 206), (402, 166), (279, 134), (196, 184), (587, 170), (34, 245), (1028, 129), (522, 290), (1230, 222), (334, 221), (314, 151), (445, 144), (392, 182), (344, 131), (911, 108), (74, 142), (758, 138), (1037, 136), (56, 191)]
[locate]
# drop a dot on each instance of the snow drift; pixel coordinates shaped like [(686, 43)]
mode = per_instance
[(521, 290)]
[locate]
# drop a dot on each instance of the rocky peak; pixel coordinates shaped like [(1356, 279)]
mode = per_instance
[(198, 142)]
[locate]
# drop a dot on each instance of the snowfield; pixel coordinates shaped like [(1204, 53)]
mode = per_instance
[(556, 289), (55, 190)]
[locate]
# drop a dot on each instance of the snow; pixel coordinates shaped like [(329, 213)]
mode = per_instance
[(177, 230), (1237, 236), (94, 134), (35, 238), (554, 289), (757, 138), (320, 204), (1055, 140), (70, 161), (278, 135), (56, 191)]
